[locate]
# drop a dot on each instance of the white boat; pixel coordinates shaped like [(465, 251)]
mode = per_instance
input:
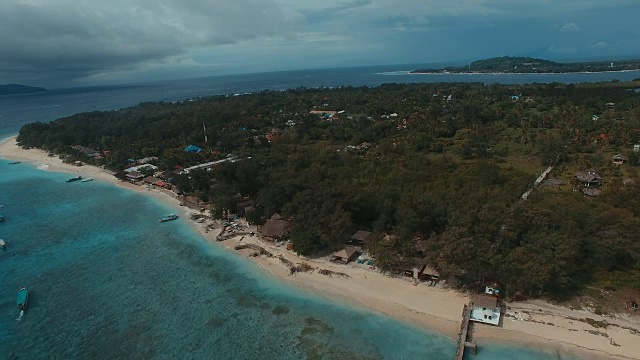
[(87, 180), (2, 244)]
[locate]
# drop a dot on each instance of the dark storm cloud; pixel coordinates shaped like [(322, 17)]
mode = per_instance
[(66, 42), (67, 39)]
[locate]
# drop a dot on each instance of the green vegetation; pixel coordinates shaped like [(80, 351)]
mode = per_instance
[(19, 89), (529, 65), (433, 170)]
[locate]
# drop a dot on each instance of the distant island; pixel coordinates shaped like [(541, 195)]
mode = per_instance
[(529, 65), (19, 89)]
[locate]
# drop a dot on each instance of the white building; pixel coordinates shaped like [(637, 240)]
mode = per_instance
[(486, 309), (141, 168)]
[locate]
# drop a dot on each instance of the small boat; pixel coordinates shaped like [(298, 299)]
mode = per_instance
[(3, 245), (23, 298), (14, 163), (87, 180), (1, 218), (168, 217), (74, 179)]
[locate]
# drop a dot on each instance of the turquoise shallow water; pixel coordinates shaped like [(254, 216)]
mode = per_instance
[(107, 281)]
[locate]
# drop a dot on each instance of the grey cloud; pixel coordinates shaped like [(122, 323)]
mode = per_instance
[(63, 38)]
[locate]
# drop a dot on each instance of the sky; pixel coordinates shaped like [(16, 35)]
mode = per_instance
[(59, 43)]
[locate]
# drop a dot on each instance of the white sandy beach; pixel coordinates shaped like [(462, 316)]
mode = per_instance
[(534, 323)]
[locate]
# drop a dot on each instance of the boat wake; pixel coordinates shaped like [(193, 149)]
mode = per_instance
[(20, 317)]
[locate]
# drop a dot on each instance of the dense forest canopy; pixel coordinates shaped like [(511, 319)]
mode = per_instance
[(434, 170), (526, 65)]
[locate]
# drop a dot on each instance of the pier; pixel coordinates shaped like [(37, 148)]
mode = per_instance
[(464, 338)]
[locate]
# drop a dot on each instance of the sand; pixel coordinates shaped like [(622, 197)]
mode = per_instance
[(532, 324)]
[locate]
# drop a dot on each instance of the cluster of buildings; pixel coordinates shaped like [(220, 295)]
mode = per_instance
[(94, 154)]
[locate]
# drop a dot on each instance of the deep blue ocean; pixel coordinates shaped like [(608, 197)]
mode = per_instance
[(107, 281)]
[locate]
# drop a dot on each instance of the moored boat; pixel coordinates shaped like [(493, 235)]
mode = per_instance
[(14, 163), (74, 179), (1, 218), (3, 245), (23, 298), (87, 180), (168, 217)]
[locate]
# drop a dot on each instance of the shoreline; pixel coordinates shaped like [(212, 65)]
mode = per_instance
[(534, 324)]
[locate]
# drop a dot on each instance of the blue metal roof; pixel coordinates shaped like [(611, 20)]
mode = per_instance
[(192, 148)]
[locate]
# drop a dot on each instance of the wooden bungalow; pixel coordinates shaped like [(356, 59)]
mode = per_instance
[(195, 203), (591, 192), (418, 269), (134, 176), (276, 228), (345, 255), (620, 159), (360, 238), (151, 180), (589, 178)]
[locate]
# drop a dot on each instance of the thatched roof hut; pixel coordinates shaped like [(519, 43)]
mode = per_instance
[(360, 237), (275, 228), (345, 255)]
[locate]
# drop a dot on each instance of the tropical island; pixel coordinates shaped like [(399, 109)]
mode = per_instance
[(529, 65), (9, 89), (529, 189), (432, 171)]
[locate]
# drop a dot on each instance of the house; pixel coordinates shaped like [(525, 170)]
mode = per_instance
[(591, 192), (345, 255), (195, 203), (610, 105), (193, 148), (589, 178), (134, 176), (636, 148), (515, 97), (486, 309), (144, 167), (163, 184), (620, 159), (595, 117), (151, 180), (146, 160), (87, 151), (360, 238), (276, 228), (323, 113), (429, 274)]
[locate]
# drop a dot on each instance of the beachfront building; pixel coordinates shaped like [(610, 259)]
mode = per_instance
[(360, 238), (87, 151), (345, 255), (134, 176), (486, 309), (150, 180), (276, 228), (140, 168)]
